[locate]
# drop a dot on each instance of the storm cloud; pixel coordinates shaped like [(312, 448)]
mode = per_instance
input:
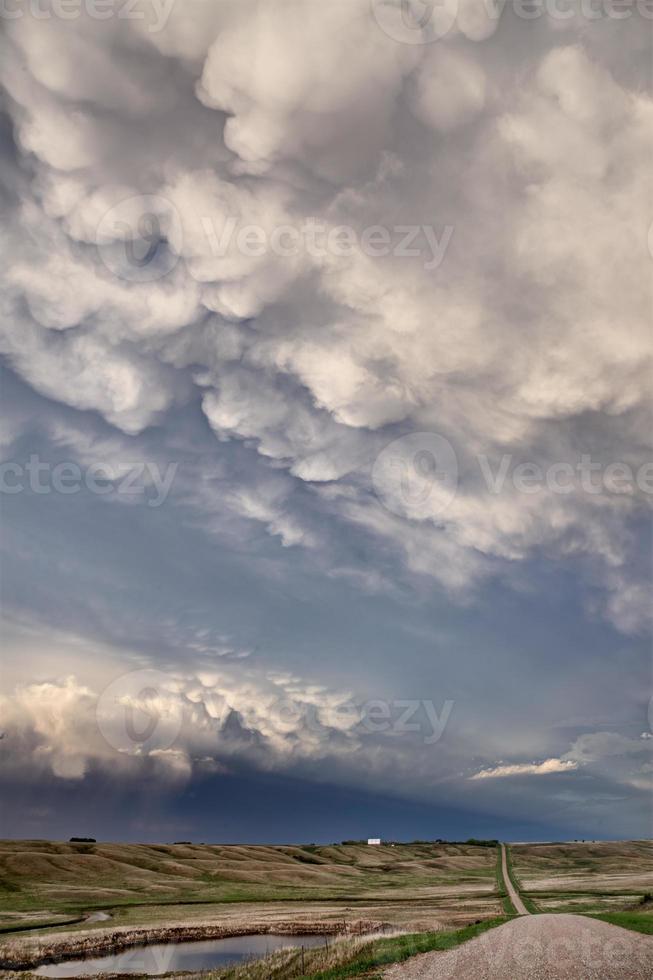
[(374, 292)]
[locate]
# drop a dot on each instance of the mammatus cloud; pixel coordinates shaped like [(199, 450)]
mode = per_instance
[(187, 722), (179, 719), (527, 334)]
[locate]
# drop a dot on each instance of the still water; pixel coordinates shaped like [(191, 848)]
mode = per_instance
[(164, 957)]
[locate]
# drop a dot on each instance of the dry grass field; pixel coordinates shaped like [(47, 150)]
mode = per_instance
[(588, 876), (60, 897), (52, 884)]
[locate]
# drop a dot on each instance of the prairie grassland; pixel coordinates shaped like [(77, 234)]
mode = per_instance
[(56, 885), (596, 877)]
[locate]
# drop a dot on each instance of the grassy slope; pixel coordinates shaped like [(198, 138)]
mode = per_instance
[(42, 880), (637, 921), (582, 858), (602, 878)]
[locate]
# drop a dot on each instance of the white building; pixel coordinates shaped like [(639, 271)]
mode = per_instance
[(373, 840)]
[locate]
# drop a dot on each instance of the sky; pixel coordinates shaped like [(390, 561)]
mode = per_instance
[(326, 475)]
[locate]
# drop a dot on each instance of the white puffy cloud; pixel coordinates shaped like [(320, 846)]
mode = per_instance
[(56, 715), (527, 769)]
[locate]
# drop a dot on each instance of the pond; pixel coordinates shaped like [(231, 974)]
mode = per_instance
[(165, 957)]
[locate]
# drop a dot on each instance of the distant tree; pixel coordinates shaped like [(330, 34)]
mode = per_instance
[(83, 840)]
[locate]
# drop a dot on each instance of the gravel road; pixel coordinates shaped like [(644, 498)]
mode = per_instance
[(520, 908), (539, 947)]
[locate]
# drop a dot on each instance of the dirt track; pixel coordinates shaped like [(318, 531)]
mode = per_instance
[(520, 908), (539, 947)]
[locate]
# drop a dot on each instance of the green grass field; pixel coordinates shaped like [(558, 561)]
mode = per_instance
[(638, 921)]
